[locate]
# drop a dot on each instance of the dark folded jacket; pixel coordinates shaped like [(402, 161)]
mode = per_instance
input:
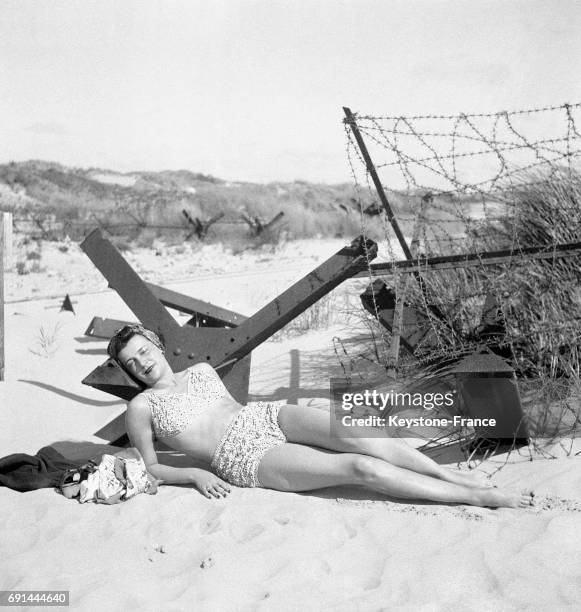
[(29, 472)]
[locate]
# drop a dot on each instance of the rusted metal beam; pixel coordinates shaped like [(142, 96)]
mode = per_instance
[(351, 121), (190, 305), (127, 283), (196, 225), (296, 299), (468, 260), (204, 313), (274, 220), (257, 226), (200, 228), (104, 328), (110, 377)]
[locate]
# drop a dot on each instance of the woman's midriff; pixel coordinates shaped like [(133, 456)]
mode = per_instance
[(201, 438)]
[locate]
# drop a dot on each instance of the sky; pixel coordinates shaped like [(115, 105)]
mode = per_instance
[(253, 90)]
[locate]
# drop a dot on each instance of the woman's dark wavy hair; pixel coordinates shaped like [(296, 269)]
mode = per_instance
[(123, 335)]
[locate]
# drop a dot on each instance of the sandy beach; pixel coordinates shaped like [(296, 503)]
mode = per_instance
[(337, 549)]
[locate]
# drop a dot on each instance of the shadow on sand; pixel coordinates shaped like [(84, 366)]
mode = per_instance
[(73, 396)]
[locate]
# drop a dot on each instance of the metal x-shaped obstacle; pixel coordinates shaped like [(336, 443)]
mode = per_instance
[(214, 335)]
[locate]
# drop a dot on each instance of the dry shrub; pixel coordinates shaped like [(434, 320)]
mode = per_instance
[(324, 313), (540, 300)]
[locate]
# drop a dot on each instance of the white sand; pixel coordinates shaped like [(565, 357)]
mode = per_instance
[(257, 549)]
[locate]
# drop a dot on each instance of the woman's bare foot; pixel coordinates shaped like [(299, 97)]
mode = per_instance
[(504, 498)]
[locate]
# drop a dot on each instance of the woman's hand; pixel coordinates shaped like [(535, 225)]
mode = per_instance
[(210, 485)]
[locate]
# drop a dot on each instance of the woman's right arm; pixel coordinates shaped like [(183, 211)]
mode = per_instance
[(140, 432)]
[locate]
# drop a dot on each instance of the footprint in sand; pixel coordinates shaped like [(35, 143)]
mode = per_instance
[(211, 522), (249, 533), (371, 584)]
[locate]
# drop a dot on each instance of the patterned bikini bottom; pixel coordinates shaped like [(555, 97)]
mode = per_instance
[(250, 435)]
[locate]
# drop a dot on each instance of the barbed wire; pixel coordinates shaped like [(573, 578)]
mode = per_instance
[(386, 132), (528, 111), (497, 181), (184, 226)]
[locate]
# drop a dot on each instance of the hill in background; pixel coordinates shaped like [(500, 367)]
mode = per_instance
[(50, 195)]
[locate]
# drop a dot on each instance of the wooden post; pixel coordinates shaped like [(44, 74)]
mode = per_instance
[(2, 251), (401, 290), (8, 257)]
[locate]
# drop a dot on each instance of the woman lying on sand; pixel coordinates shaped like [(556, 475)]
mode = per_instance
[(288, 448)]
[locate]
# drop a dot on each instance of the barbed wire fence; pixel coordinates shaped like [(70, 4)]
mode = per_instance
[(507, 180), (46, 226)]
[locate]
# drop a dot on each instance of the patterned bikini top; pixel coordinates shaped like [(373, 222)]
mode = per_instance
[(171, 413)]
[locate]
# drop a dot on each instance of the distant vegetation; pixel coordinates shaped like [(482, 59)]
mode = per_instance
[(142, 206), (52, 201)]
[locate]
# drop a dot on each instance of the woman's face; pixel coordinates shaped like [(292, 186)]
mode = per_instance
[(143, 360)]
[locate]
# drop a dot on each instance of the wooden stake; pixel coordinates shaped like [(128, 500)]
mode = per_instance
[(2, 253), (400, 293), (7, 232)]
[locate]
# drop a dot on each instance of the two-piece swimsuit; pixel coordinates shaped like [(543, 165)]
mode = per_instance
[(251, 433)]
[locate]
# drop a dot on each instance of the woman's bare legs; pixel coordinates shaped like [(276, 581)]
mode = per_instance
[(294, 467), (311, 426)]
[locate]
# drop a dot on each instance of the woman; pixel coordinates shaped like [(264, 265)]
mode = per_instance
[(287, 447)]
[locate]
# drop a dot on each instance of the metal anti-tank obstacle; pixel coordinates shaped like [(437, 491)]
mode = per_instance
[(222, 338)]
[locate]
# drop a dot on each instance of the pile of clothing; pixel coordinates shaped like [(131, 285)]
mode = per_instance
[(114, 479)]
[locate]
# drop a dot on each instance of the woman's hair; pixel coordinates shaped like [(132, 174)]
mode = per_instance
[(123, 335)]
